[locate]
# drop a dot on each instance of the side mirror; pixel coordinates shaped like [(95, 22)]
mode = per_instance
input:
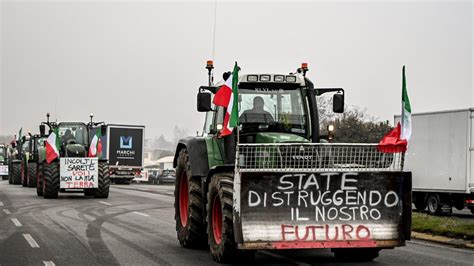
[(338, 103), (103, 129), (204, 102), (42, 130)]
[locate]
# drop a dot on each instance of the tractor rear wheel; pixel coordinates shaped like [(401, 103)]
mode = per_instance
[(356, 254), (32, 168), (51, 180), (39, 180), (104, 182), (16, 173), (188, 205)]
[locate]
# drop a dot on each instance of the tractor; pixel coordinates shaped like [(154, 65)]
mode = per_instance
[(74, 170), (25, 158), (3, 161), (276, 183), (37, 154), (15, 162)]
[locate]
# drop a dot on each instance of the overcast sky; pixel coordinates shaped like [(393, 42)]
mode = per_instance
[(141, 63)]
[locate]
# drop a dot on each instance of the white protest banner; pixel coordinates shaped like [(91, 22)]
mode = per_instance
[(79, 172)]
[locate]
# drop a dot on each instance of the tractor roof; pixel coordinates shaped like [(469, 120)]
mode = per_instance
[(272, 78)]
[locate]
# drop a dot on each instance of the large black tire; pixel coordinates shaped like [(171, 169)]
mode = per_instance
[(220, 228), (32, 168), (39, 180), (356, 254), (16, 172), (104, 181), (188, 205), (10, 174), (24, 174), (51, 180), (434, 204)]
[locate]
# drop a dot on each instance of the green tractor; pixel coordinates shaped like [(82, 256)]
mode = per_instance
[(15, 162), (36, 155), (3, 161), (276, 183), (25, 158), (75, 170)]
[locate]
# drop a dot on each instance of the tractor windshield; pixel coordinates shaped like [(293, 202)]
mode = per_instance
[(73, 133), (272, 109), (3, 152)]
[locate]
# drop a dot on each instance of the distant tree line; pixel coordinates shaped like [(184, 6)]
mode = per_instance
[(352, 126)]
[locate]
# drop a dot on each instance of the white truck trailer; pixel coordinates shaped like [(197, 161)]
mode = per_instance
[(441, 158)]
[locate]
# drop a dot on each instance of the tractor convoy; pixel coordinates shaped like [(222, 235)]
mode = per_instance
[(60, 160), (261, 176), (274, 182)]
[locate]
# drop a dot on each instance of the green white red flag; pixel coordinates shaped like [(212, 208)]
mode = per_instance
[(227, 96), (95, 148), (397, 139), (52, 146)]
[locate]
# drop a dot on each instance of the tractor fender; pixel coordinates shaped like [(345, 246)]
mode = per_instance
[(197, 152)]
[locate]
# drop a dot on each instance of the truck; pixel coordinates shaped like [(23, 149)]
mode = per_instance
[(76, 169), (275, 183), (441, 157), (124, 148), (3, 161)]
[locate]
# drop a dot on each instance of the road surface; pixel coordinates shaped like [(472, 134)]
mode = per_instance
[(135, 226)]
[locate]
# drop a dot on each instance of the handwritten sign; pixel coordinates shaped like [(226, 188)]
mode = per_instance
[(320, 206), (79, 173), (3, 169)]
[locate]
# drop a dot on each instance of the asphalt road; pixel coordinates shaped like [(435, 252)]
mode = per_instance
[(135, 226)]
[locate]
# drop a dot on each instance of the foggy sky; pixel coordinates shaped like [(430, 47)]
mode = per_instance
[(141, 63)]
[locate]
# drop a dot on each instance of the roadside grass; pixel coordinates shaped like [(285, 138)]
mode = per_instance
[(443, 226)]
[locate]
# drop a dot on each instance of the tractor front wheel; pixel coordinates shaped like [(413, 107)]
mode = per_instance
[(104, 182), (51, 180), (220, 228), (16, 173), (39, 180), (32, 168), (24, 175), (188, 205)]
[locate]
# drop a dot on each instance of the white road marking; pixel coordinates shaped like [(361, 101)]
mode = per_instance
[(16, 222), (142, 214), (1, 204), (48, 263), (6, 211), (31, 241), (106, 203)]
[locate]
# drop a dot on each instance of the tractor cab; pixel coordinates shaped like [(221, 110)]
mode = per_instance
[(74, 140), (272, 108)]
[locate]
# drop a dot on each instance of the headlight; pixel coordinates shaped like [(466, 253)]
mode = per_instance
[(279, 78), (291, 78), (252, 78), (265, 78)]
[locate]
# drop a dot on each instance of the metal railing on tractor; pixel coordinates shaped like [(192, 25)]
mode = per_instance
[(316, 157)]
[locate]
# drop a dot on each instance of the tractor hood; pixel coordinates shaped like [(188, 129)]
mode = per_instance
[(273, 137), (75, 150)]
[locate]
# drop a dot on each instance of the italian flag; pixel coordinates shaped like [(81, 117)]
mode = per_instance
[(227, 96), (52, 146), (96, 144), (406, 110), (397, 139)]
